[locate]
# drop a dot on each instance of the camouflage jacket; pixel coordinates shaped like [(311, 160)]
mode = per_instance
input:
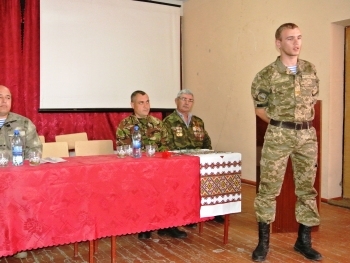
[(181, 137), (284, 95), (152, 131), (27, 131)]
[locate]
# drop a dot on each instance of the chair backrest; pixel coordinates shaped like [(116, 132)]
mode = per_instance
[(93, 147), (71, 138), (55, 149), (42, 138)]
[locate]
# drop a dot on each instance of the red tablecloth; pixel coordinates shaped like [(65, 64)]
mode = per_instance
[(86, 198)]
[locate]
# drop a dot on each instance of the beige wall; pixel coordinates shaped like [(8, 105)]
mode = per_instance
[(226, 42)]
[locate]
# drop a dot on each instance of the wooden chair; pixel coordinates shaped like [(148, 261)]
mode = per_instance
[(42, 138), (88, 148), (93, 147), (55, 149), (71, 138)]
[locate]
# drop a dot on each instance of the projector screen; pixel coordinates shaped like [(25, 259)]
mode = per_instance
[(95, 53)]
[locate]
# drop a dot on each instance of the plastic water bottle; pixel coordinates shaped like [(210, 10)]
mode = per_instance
[(17, 149), (136, 142)]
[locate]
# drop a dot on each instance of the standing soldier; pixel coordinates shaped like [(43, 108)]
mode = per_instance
[(284, 95)]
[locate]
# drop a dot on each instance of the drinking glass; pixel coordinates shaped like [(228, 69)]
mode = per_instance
[(128, 149), (121, 152), (34, 157), (150, 150), (4, 158)]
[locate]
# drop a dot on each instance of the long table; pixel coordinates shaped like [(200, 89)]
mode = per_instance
[(86, 198)]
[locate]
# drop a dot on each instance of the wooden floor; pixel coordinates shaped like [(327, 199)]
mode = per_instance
[(332, 240)]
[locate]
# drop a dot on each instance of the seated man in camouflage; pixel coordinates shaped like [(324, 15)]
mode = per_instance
[(153, 132), (9, 122), (186, 131)]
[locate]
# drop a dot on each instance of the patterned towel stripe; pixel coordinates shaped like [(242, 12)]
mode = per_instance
[(220, 164), (222, 199)]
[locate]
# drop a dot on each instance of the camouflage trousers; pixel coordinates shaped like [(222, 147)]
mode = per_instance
[(301, 146)]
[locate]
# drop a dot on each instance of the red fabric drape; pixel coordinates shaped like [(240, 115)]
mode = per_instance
[(21, 73), (10, 48)]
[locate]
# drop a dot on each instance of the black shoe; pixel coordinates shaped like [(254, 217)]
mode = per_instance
[(144, 235), (219, 219), (303, 243), (191, 225), (307, 251), (173, 232), (260, 252)]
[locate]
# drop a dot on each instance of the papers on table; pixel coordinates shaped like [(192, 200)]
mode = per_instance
[(198, 152), (52, 160), (193, 151)]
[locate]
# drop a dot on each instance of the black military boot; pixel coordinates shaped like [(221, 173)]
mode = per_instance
[(259, 254), (303, 244)]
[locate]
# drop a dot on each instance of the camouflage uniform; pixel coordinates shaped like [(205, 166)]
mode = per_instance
[(287, 97), (181, 137), (15, 121), (152, 131)]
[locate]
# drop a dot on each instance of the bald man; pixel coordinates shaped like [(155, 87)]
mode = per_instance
[(10, 121)]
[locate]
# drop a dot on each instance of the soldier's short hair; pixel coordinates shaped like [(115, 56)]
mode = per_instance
[(184, 91), (133, 95), (282, 27)]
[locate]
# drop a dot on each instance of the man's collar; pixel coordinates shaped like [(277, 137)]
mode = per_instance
[(9, 118), (138, 117), (4, 117), (281, 68), (181, 115)]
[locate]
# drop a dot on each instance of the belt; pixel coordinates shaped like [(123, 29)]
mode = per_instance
[(292, 125)]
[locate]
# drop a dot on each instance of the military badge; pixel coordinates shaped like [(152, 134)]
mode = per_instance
[(178, 131), (198, 132), (262, 96)]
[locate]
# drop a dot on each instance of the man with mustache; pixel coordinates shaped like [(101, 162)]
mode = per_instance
[(185, 130)]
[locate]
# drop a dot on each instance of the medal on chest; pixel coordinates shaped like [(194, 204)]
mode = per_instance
[(178, 132), (198, 133)]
